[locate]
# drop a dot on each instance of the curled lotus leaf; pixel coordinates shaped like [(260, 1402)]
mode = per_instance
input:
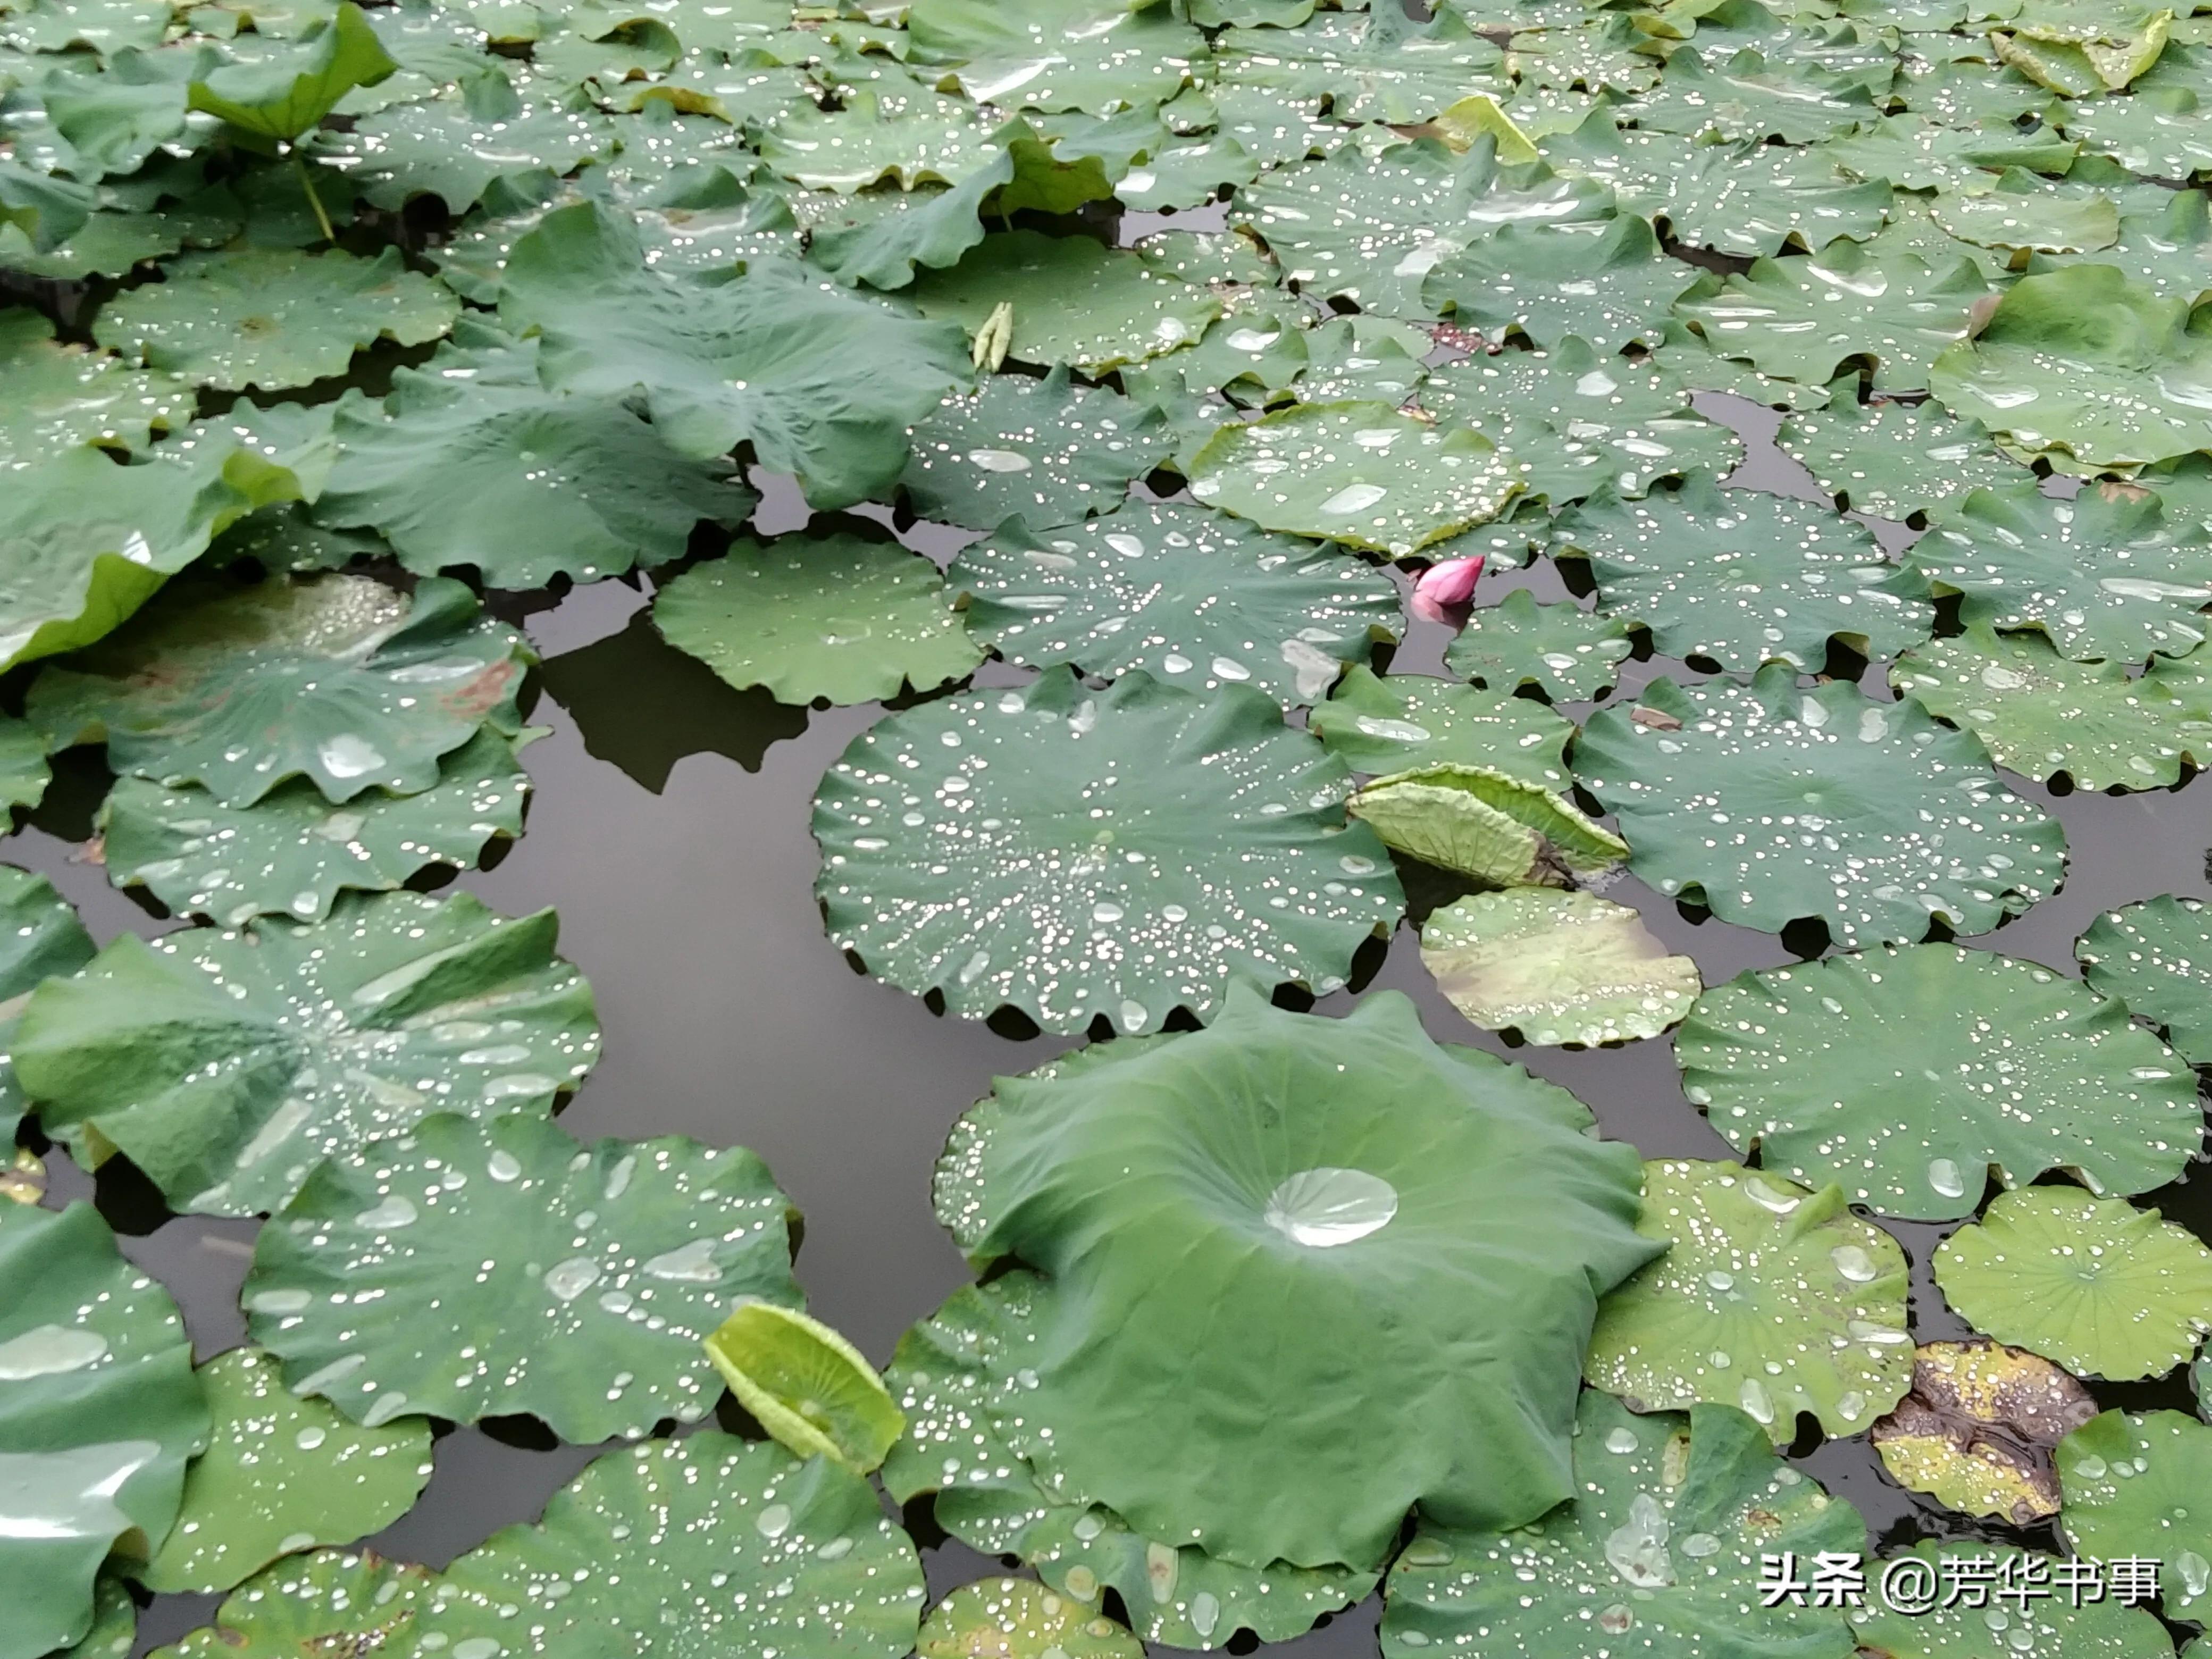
[(1230, 862), (99, 1414), (1187, 175), (1911, 1074), (807, 1385), (281, 1474), (292, 852), (226, 1064), (1364, 474), (1020, 1619), (2040, 715), (1772, 1297), (1483, 823), (2163, 242), (1441, 1211), (2103, 1629), (1564, 651), (1407, 721), (55, 397), (288, 91), (40, 938), (1607, 281), (24, 773), (338, 679), (1892, 459), (2026, 213), (2156, 956), (2079, 61), (458, 144), (1892, 819), (1094, 55), (2134, 1486), (2102, 1287), (838, 617), (1556, 967), (1660, 1546), (880, 238), (1193, 597), (1742, 577), (1978, 1429), (327, 1601)]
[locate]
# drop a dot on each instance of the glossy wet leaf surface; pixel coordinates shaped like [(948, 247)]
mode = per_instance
[(2096, 1630), (1486, 824), (1555, 967), (2153, 956), (2130, 1484), (1567, 652), (1979, 1427), (40, 937), (57, 396), (1407, 721), (809, 1388)]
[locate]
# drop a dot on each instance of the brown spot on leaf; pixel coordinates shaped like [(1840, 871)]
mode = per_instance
[(1656, 719), (1978, 1429)]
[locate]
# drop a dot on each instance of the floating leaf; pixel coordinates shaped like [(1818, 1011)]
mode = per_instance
[(54, 396), (326, 1601), (1556, 967), (1409, 721), (1892, 819), (2096, 1629), (1909, 1074), (807, 1385), (907, 140), (1095, 54), (1746, 95), (39, 938), (1978, 1431), (114, 1630), (2156, 956), (1194, 597), (2055, 47), (1482, 822), (1607, 281), (225, 1065), (1915, 153), (1755, 199), (837, 616), (2130, 1484), (457, 145), (1892, 459), (289, 91), (2023, 212), (1231, 860), (281, 1474), (2155, 130), (1371, 66), (1570, 654), (1020, 1619)]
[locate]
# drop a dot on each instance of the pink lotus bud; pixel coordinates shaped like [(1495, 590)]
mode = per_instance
[(1443, 585)]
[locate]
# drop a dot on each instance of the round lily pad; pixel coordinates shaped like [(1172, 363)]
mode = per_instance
[(967, 849), (40, 937), (1360, 473), (57, 396), (1020, 1619), (807, 1385), (99, 1414), (1772, 804), (1566, 652), (337, 678), (1409, 721), (282, 1474), (1978, 1431), (1909, 1074), (470, 1269), (1892, 459), (1195, 597), (2007, 1625), (2102, 1287), (329, 1601), (2156, 956), (837, 617), (2021, 212), (1484, 824), (2135, 1486), (1607, 281), (226, 1064), (1556, 967)]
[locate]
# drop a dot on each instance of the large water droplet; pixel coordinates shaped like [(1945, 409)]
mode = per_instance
[(1326, 1206), (1947, 1178), (572, 1277)]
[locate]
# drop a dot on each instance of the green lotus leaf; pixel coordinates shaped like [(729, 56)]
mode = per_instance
[(2101, 1628), (1568, 653), (822, 385), (114, 1630), (1759, 199), (338, 679), (1742, 577), (1362, 474), (1192, 596), (1199, 256), (273, 318), (2156, 956), (747, 87), (1745, 96), (1968, 90), (1556, 967), (1372, 229), (1800, 318), (1819, 1068), (1660, 1546), (2154, 130), (1358, 358), (102, 1413), (1020, 1619), (43, 210), (281, 1474), (1251, 354), (2104, 576), (1249, 1149), (1892, 819), (327, 1601), (457, 145), (287, 93), (1228, 811), (1607, 282), (2102, 1287), (1573, 48), (1187, 175), (807, 1385), (2130, 1484), (291, 853), (1978, 1431), (1772, 1298), (110, 244), (576, 1284), (911, 141), (103, 26), (837, 617), (2088, 365), (2039, 715), (1050, 451), (2163, 237), (1095, 54), (39, 938), (1372, 66), (878, 239), (2076, 66), (113, 123), (1483, 823), (2044, 216), (1914, 152), (55, 397), (1892, 459), (303, 1041), (1409, 721)]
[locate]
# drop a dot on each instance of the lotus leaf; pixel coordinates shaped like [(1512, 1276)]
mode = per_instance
[(457, 145), (1249, 1149), (880, 238), (289, 92), (339, 679), (1770, 804), (1409, 721), (1362, 358), (1661, 1546), (838, 617), (1213, 601), (104, 26), (1826, 1070), (1978, 1429), (1483, 823), (1096, 55), (2026, 213), (2157, 131), (1556, 967), (2087, 365), (2040, 715), (2156, 957), (2052, 44), (1915, 153), (1747, 96), (1892, 459), (110, 244), (1187, 175), (1607, 281), (225, 1065), (101, 1412), (2130, 1484), (2105, 575), (807, 1385), (281, 1474), (114, 1630), (916, 139), (1376, 66), (2163, 243), (1759, 199), (1566, 652), (291, 853), (1020, 1619), (2096, 1629), (54, 396), (43, 210), (1048, 450), (513, 1271), (822, 385), (326, 1601), (1231, 860), (2104, 1289), (40, 937)]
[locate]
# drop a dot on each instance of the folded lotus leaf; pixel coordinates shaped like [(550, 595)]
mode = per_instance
[(1607, 281), (1096, 55), (1564, 651), (2097, 1629), (55, 397), (1911, 1074), (1892, 459), (2156, 956), (2131, 1484), (2077, 63), (1978, 1431), (458, 144), (1485, 823), (40, 938), (1555, 967), (288, 91), (1410, 721), (227, 1065)]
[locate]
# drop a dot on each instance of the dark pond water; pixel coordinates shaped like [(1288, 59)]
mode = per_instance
[(669, 828)]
